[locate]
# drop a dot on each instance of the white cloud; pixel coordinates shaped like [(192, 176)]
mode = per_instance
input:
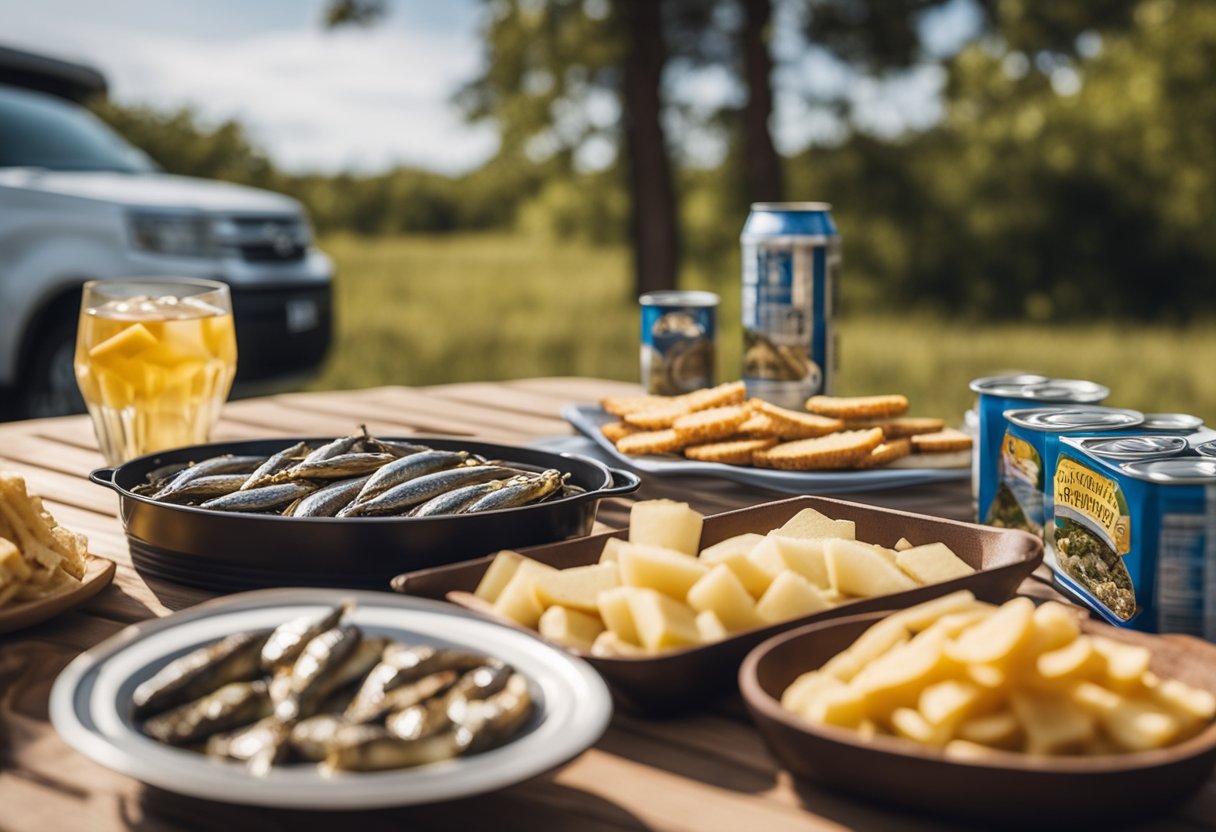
[(353, 99)]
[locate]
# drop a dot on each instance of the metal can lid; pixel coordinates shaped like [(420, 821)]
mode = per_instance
[(1180, 470), (1066, 390), (672, 297), (995, 385), (1207, 448), (1074, 419), (1133, 447), (1171, 421), (791, 206)]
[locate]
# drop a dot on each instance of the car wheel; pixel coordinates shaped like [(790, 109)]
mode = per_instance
[(50, 382)]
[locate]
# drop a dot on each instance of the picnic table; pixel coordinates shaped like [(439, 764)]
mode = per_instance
[(704, 770)]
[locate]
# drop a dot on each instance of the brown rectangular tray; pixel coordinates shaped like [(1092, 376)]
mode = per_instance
[(681, 679)]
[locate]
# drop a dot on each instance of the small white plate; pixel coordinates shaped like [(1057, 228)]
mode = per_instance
[(90, 704), (587, 419)]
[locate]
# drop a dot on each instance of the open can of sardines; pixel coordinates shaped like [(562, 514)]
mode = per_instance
[(1133, 534)]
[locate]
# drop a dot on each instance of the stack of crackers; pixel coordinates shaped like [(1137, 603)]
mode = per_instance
[(720, 424), (37, 555)]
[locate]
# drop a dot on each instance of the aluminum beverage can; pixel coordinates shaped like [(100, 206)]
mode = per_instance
[(1135, 541), (791, 271), (995, 395), (679, 339)]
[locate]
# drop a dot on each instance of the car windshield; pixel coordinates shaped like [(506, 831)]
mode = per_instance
[(40, 131)]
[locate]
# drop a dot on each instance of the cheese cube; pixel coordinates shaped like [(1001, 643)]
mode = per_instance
[(1139, 726), (902, 544), (740, 544), (1055, 626), (722, 593), (570, 628), (614, 610), (802, 555), (922, 615), (662, 621), (844, 706), (612, 550), (667, 524), (932, 564), (948, 701), (578, 588), (665, 570), (790, 596), (877, 641), (811, 523), (754, 579), (517, 600), (1125, 663), (497, 574), (611, 646), (1074, 661), (710, 626), (895, 679), (856, 569)]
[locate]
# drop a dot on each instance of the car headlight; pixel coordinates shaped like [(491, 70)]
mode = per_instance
[(178, 235)]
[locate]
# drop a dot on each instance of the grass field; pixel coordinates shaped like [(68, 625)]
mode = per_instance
[(427, 309)]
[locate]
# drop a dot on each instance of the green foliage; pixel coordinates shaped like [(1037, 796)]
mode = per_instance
[(437, 309)]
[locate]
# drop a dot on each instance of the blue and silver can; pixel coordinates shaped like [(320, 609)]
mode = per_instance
[(1029, 450), (679, 340), (995, 395), (1136, 540), (791, 270)]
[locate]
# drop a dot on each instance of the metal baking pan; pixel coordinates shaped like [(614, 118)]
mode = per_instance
[(227, 551)]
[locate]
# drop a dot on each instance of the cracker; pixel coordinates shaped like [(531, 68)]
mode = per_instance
[(793, 424), (900, 427), (657, 418), (944, 441), (858, 407), (758, 424), (615, 431), (837, 450), (619, 406), (708, 425), (731, 452), (650, 442), (886, 453), (733, 392)]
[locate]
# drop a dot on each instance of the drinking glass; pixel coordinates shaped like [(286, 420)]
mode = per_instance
[(155, 359)]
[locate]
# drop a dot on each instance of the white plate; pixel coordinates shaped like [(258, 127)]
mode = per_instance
[(586, 419), (90, 704)]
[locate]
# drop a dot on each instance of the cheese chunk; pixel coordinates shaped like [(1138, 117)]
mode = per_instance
[(710, 627), (497, 575), (665, 570), (856, 569), (998, 638), (609, 645), (790, 596), (570, 628), (811, 523), (932, 563), (740, 544), (667, 524), (612, 550), (720, 592), (614, 610), (517, 600), (802, 555), (578, 588), (662, 622)]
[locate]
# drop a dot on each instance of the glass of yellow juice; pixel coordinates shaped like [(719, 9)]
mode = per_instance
[(155, 360)]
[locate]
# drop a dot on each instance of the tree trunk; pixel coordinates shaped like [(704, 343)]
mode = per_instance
[(762, 165), (654, 228)]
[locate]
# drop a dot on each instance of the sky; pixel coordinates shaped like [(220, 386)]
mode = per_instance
[(365, 100)]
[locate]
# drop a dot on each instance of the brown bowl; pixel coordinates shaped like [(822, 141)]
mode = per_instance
[(1010, 788), (680, 679)]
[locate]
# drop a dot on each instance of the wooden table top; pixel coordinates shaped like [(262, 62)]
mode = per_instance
[(707, 770)]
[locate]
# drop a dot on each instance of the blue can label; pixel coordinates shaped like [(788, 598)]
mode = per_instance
[(1186, 552), (677, 347), (1018, 503), (788, 343)]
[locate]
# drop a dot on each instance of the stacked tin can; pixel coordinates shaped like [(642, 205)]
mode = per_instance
[(1125, 502)]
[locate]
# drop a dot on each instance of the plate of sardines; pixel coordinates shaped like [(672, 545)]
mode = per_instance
[(328, 699), (350, 511)]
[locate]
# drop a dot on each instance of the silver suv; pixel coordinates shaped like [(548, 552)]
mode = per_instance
[(77, 202)]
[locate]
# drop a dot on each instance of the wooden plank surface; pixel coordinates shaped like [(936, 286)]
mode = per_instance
[(707, 770)]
